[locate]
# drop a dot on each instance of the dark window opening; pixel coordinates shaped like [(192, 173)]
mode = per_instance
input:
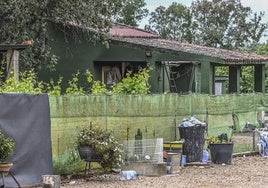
[(114, 72)]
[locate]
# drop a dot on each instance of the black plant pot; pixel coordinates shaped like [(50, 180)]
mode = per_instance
[(221, 153), (87, 154)]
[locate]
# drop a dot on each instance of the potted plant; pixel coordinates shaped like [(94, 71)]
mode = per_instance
[(221, 149), (98, 145), (7, 146)]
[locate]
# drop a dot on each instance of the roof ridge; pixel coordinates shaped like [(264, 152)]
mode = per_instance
[(123, 30), (136, 28)]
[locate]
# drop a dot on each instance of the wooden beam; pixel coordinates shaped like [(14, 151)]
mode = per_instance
[(13, 64)]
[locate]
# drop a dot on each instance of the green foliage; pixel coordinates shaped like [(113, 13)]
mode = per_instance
[(262, 49), (99, 88), (67, 163), (27, 84), (171, 23), (103, 144), (136, 84), (73, 88), (22, 20), (226, 24), (223, 70), (131, 84), (247, 79), (212, 140), (132, 12), (7, 146), (89, 76), (54, 88), (214, 23)]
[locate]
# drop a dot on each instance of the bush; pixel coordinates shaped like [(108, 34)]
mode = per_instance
[(6, 147), (103, 144)]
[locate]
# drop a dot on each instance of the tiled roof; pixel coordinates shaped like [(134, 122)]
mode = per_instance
[(128, 35), (174, 46), (131, 33), (121, 30)]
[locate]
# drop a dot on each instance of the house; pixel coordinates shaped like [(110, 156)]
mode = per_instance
[(176, 67)]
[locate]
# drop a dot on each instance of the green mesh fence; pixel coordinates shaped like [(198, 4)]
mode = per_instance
[(157, 116)]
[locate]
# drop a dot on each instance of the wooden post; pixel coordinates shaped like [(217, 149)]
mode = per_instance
[(259, 78), (13, 64), (234, 79)]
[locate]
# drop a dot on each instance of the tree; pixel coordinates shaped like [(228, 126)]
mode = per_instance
[(262, 49), (22, 20), (173, 23), (132, 12), (215, 23), (226, 24)]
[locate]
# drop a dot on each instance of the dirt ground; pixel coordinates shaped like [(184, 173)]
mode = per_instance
[(245, 171), (248, 171)]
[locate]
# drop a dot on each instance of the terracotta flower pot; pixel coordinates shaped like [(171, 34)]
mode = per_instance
[(5, 167)]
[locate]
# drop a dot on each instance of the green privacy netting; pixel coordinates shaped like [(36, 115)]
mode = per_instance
[(157, 116)]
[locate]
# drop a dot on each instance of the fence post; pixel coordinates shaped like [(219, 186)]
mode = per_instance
[(253, 137)]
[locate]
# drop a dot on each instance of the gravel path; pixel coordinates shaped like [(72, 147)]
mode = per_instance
[(245, 172)]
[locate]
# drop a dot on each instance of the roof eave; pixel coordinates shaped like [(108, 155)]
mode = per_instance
[(6, 47), (245, 61)]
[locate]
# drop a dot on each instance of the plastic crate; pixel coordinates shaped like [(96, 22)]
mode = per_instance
[(174, 146)]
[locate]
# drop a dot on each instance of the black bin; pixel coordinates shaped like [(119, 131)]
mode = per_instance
[(221, 153), (194, 140)]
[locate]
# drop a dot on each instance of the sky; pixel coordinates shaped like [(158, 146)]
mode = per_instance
[(255, 5)]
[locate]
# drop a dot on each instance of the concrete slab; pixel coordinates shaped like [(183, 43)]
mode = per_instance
[(147, 169)]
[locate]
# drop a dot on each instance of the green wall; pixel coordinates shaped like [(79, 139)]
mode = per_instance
[(156, 115)]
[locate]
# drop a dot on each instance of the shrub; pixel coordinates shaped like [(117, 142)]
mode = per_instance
[(6, 147), (103, 144), (136, 84)]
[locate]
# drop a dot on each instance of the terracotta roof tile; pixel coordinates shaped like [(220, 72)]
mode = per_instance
[(129, 32), (122, 30)]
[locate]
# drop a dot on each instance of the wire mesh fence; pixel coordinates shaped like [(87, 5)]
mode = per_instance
[(145, 150)]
